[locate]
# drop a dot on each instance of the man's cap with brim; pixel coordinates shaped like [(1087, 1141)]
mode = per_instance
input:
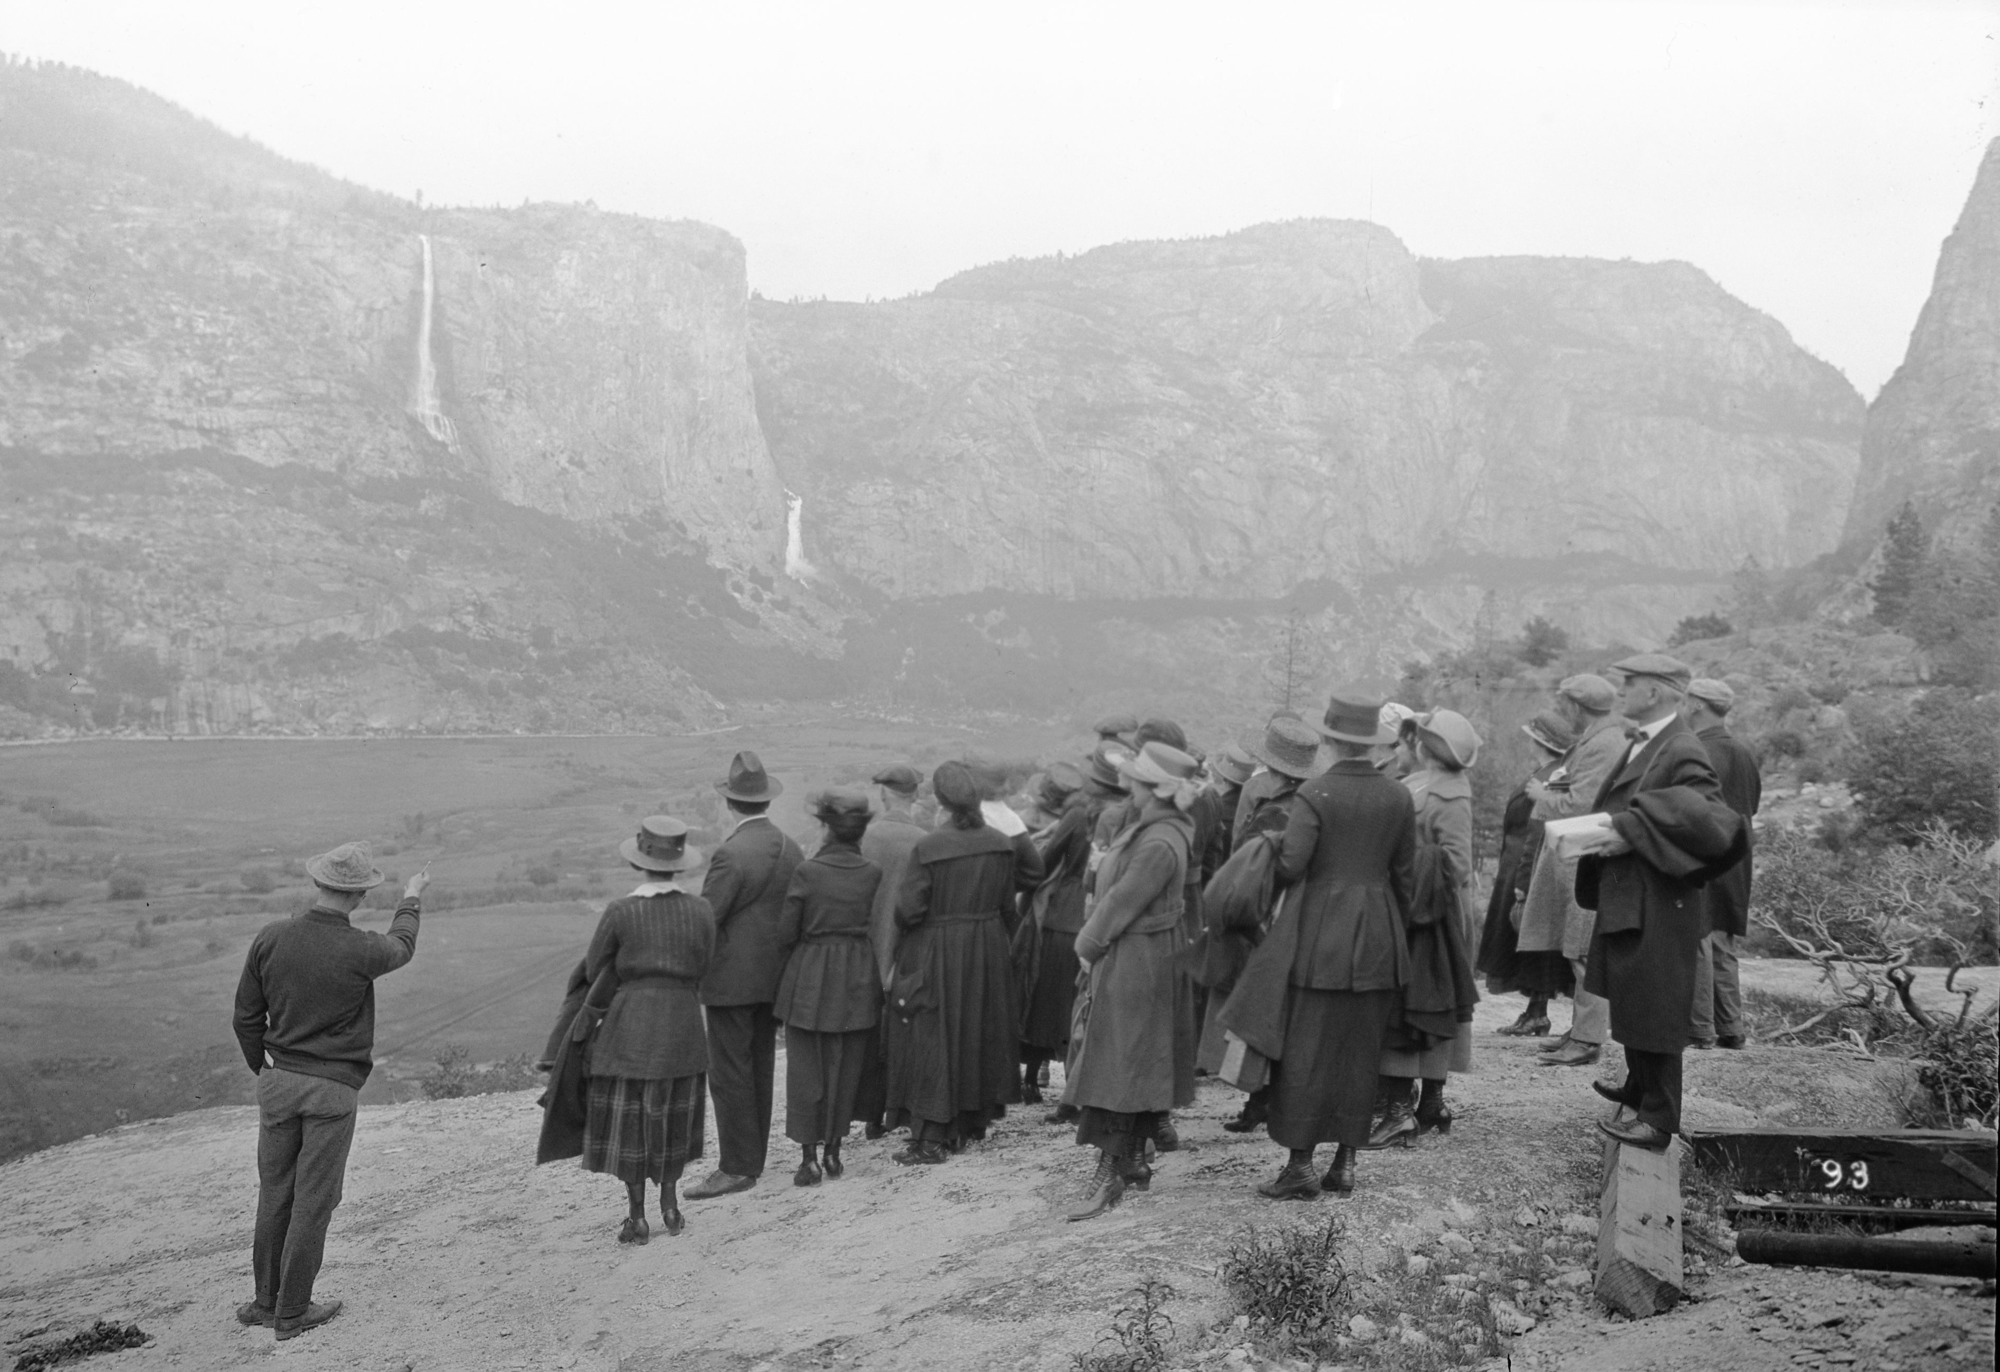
[(901, 777), (1120, 727), (1591, 691), (1658, 667), (1061, 781), (660, 846), (1714, 693)]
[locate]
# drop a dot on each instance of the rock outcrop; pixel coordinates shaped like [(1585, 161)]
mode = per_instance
[(1301, 404), (1933, 434)]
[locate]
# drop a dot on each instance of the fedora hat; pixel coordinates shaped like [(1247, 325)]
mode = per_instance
[(1290, 748), (1453, 734), (350, 867), (660, 846), (747, 779), (1356, 719), (1102, 765), (1551, 731), (840, 800)]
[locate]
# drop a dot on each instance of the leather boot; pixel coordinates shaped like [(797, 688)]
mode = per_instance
[(1399, 1122), (1062, 1114), (831, 1163), (1031, 1089), (1432, 1112), (1166, 1139), (1134, 1169), (1339, 1177), (1106, 1187), (1295, 1182), (927, 1152)]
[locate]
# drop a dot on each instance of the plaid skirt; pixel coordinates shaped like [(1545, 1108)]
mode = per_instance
[(644, 1129)]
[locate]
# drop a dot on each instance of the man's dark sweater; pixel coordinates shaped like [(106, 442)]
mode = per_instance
[(307, 994)]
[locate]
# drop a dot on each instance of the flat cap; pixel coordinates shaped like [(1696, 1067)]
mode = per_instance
[(1116, 726), (1589, 690), (1658, 666), (840, 800), (1713, 692), (901, 777)]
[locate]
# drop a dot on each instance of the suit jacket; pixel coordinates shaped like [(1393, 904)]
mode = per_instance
[(1743, 790), (745, 887), (1665, 801)]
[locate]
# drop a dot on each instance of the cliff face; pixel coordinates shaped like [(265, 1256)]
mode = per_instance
[(168, 288), (1933, 434), (1301, 403)]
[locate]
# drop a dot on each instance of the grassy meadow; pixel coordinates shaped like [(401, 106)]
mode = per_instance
[(133, 874)]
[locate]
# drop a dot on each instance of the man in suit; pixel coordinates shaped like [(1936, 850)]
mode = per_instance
[(1671, 833), (1718, 998), (745, 887)]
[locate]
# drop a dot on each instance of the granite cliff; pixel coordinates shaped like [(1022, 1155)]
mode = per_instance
[(1933, 434)]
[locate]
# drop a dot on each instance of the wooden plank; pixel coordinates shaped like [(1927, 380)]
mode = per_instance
[(1893, 1216), (1941, 1259), (1639, 1231), (1912, 1164)]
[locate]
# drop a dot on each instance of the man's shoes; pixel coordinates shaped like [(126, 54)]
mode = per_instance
[(1572, 1054), (1638, 1133), (1736, 1041), (1293, 1183), (252, 1313), (291, 1326), (1556, 1044), (719, 1184), (925, 1154), (1614, 1094), (807, 1175)]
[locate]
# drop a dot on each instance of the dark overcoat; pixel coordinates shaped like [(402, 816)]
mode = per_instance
[(1651, 915), (658, 947), (1348, 853), (830, 985), (959, 1054), (1743, 791), (1137, 1049), (1051, 917), (747, 878), (565, 1103)]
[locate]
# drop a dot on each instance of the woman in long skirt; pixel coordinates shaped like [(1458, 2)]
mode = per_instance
[(1130, 1068), (1536, 975), (1441, 746), (645, 1112), (954, 1030), (830, 995)]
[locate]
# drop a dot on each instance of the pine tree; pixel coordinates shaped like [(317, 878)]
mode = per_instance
[(1293, 663), (1542, 642), (1903, 557)]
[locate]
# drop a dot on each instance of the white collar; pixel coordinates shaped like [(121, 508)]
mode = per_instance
[(742, 820), (661, 888), (1642, 734)]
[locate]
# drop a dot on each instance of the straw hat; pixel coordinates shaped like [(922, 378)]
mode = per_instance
[(350, 867), (1290, 747), (660, 846)]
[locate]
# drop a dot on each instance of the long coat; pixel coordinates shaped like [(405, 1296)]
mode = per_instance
[(1137, 1051), (1348, 853), (1550, 917), (960, 1055), (888, 844), (1743, 791), (658, 946), (1499, 958), (830, 984), (1051, 917), (1440, 990), (1651, 915), (745, 886)]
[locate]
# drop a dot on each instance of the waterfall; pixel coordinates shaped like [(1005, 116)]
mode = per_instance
[(796, 566), (424, 395)]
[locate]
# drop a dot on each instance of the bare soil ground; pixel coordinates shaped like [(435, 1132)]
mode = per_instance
[(453, 1251)]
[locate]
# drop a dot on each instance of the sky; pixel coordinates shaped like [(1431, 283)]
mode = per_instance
[(1809, 156)]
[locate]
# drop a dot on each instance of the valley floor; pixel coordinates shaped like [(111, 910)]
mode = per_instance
[(452, 1250)]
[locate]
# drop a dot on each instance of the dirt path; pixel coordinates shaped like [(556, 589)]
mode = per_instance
[(452, 1250)]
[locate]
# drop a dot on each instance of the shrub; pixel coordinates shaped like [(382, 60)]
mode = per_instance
[(1957, 1069), (1292, 1283), (1140, 1334), (1942, 763), (1784, 743), (127, 886), (258, 881), (541, 876), (1697, 627), (1542, 642), (456, 1076)]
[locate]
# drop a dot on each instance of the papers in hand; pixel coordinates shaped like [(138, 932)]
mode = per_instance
[(1002, 817), (1581, 834)]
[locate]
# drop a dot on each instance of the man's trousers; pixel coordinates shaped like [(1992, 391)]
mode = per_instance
[(305, 1125), (742, 1052), (1590, 1014), (1653, 1088), (1718, 996)]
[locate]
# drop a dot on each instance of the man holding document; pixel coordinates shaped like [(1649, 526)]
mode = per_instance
[(1658, 831)]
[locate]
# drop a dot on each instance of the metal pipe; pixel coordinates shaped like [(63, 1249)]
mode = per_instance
[(1780, 1249)]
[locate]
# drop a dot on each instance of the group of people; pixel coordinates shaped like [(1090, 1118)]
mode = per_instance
[(1296, 915)]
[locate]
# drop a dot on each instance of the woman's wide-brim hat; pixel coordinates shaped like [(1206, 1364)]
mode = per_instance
[(748, 781), (350, 867), (1452, 733), (1356, 719), (1551, 731), (1159, 764), (1290, 747), (660, 846)]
